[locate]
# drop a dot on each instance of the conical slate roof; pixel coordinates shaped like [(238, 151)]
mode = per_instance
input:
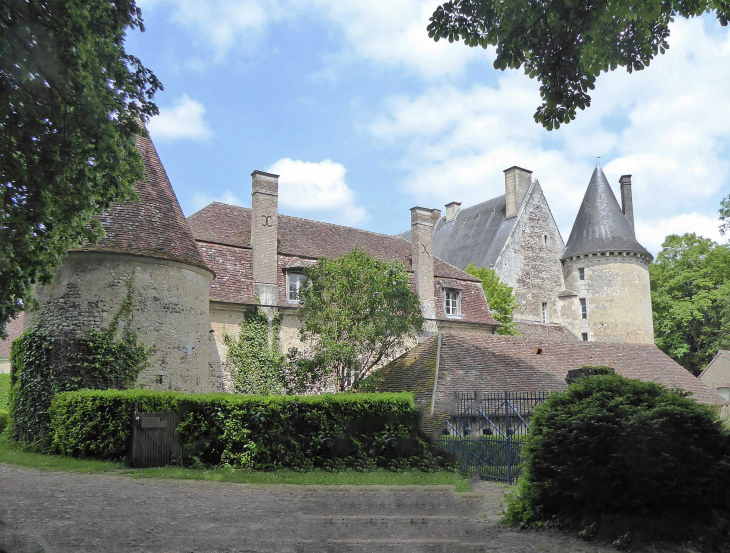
[(154, 226), (601, 225)]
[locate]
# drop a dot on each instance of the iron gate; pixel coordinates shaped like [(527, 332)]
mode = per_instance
[(487, 432), (155, 441)]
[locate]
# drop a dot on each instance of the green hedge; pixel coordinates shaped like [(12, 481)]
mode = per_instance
[(262, 432), (4, 390), (3, 420)]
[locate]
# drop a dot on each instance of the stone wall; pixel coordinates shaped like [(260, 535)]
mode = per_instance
[(530, 262), (170, 312), (617, 294)]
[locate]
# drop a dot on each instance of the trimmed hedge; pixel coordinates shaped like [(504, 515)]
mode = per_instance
[(3, 420), (363, 431), (4, 390)]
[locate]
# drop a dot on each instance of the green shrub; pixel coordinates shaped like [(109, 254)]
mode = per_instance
[(3, 420), (615, 447), (4, 390), (361, 431)]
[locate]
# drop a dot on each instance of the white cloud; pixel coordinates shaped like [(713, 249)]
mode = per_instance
[(667, 126), (308, 186), (651, 233), (184, 119)]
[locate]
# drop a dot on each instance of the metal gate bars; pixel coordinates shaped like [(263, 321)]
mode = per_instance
[(487, 432)]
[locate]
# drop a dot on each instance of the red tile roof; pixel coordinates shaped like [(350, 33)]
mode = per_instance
[(543, 332), (492, 363), (230, 225), (155, 225), (14, 329)]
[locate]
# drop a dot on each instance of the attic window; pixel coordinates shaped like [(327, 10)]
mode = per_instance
[(294, 281), (452, 302), (537, 351)]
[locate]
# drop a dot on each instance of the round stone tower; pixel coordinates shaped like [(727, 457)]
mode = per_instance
[(606, 271), (148, 254)]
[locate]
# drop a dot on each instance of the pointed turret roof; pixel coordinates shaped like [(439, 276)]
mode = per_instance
[(601, 225), (154, 226)]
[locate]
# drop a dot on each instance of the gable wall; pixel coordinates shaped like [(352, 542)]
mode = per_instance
[(717, 373), (531, 267)]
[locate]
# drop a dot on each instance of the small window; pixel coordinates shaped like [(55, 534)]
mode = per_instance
[(583, 309), (545, 314), (584, 336), (544, 239), (581, 273), (724, 392), (452, 303), (294, 283)]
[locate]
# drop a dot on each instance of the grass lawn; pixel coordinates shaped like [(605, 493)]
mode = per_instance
[(15, 455)]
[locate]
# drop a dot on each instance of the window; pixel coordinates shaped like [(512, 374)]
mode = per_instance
[(452, 303), (724, 392), (544, 239), (584, 336), (545, 314), (581, 273), (583, 309), (293, 285)]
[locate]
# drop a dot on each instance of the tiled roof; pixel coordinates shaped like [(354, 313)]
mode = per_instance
[(545, 332), (155, 225), (230, 225), (492, 363), (601, 225), (14, 329)]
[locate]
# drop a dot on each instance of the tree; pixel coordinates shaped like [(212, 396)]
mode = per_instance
[(71, 99), (725, 215), (500, 298), (567, 45), (690, 293), (357, 311)]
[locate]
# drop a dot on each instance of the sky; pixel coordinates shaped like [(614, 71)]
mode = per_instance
[(363, 116)]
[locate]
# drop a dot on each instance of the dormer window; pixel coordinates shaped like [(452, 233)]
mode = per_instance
[(294, 282), (452, 302)]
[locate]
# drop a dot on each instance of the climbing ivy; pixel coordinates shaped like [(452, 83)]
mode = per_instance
[(44, 363), (258, 366)]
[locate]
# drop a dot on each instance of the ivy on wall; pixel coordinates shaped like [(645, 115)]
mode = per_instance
[(45, 362), (258, 365)]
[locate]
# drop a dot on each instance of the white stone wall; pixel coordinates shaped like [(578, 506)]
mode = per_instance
[(170, 312), (4, 365), (529, 263), (618, 298)]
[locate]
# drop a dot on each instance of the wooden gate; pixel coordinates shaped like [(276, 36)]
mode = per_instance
[(155, 441)]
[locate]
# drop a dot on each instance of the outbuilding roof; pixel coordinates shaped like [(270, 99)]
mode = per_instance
[(492, 363), (153, 226), (601, 225)]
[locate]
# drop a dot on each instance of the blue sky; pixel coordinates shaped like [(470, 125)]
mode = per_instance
[(364, 117)]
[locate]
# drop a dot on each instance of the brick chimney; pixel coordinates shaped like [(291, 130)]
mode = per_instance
[(422, 261), (627, 202), (264, 234), (451, 210), (516, 183)]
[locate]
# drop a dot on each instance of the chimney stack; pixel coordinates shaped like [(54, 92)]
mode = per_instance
[(422, 261), (264, 235), (436, 216), (627, 202), (516, 184), (451, 210)]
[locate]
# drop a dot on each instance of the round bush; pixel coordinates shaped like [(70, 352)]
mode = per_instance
[(615, 447)]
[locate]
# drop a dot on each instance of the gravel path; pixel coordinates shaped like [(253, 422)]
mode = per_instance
[(63, 512)]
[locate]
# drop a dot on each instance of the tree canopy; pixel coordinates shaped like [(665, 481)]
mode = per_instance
[(725, 215), (690, 293), (500, 298), (567, 44), (71, 99), (357, 311)]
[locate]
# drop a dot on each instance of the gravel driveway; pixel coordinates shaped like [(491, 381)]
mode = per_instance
[(63, 512)]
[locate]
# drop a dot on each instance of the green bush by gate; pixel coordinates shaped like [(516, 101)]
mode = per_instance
[(362, 431)]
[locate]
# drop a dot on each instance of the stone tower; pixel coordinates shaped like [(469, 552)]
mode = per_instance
[(148, 253), (606, 271)]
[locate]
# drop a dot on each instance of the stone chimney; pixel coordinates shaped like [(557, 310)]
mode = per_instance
[(264, 234), (516, 183), (451, 210), (422, 261), (436, 216), (627, 203)]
